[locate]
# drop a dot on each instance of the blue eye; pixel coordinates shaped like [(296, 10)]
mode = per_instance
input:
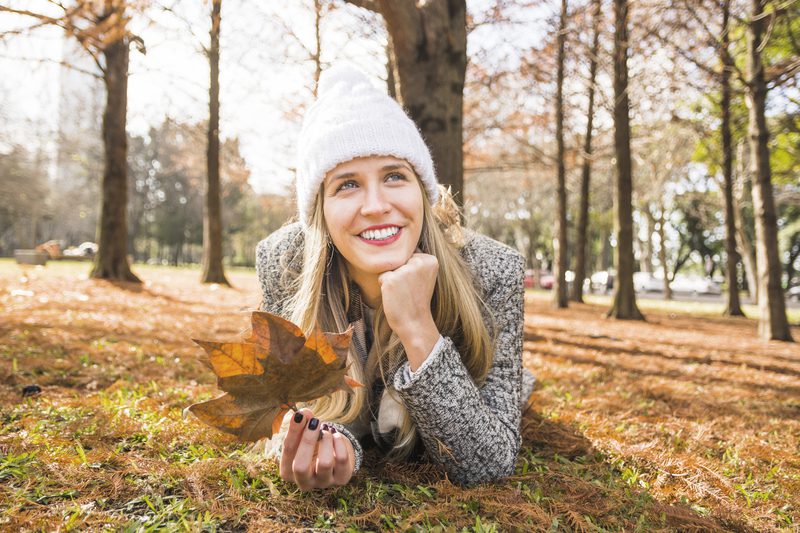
[(397, 175), (346, 185)]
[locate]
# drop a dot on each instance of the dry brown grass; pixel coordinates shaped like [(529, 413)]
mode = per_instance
[(676, 424)]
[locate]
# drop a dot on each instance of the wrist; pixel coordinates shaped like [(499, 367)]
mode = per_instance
[(418, 340)]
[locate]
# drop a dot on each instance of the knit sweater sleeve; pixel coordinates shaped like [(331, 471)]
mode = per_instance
[(475, 432)]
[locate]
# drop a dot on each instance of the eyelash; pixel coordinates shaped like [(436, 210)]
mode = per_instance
[(398, 174)]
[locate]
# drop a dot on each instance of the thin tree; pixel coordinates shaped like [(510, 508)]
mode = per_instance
[(213, 271), (560, 252), (429, 54), (732, 304), (624, 305), (586, 167), (772, 324)]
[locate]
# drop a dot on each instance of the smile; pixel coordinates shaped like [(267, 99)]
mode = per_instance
[(381, 236)]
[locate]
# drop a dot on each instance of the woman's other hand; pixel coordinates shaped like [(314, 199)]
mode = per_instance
[(406, 294), (313, 462)]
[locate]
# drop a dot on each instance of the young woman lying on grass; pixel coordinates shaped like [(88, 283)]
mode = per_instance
[(437, 310)]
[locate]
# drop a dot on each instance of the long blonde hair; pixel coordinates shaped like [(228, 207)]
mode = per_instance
[(322, 298)]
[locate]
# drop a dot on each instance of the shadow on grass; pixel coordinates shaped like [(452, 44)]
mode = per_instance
[(561, 483)]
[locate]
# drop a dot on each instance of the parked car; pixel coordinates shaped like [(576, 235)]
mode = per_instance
[(794, 294), (529, 279), (85, 250), (694, 285), (547, 280), (647, 282), (602, 281)]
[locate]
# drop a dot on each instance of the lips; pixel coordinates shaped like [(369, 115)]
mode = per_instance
[(378, 236), (379, 233)]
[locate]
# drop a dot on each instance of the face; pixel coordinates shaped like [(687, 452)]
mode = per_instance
[(373, 211)]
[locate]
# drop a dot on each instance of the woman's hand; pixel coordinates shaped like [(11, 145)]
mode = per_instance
[(406, 294), (313, 462)]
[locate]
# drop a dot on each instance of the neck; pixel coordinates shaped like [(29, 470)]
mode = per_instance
[(370, 290)]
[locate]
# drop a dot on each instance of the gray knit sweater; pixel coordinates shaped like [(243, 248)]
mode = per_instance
[(474, 433)]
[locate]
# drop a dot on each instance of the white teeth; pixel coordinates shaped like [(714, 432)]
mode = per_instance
[(380, 234)]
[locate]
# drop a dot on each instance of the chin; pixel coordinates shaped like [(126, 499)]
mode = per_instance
[(380, 267)]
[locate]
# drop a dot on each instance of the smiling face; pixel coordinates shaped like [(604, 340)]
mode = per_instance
[(373, 210)]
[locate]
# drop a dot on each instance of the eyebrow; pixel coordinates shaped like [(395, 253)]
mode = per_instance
[(385, 168)]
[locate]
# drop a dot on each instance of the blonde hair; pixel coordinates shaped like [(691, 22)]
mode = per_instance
[(322, 298)]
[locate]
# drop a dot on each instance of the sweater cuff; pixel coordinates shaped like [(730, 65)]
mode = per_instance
[(408, 374), (357, 450)]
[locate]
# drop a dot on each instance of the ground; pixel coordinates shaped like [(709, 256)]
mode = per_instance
[(682, 422)]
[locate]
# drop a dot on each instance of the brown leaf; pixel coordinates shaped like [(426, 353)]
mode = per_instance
[(267, 373)]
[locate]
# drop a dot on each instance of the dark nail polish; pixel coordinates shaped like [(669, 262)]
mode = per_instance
[(313, 423), (298, 417), (326, 427), (333, 429)]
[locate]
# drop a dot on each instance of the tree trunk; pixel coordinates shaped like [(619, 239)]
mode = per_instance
[(111, 261), (624, 296), (391, 83), (772, 306), (318, 43), (662, 252), (732, 304), (742, 240), (213, 271), (430, 57), (646, 257), (586, 169), (560, 243)]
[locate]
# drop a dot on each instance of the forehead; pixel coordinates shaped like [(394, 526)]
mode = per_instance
[(365, 165)]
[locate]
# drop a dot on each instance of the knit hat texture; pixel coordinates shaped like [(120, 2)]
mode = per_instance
[(352, 118)]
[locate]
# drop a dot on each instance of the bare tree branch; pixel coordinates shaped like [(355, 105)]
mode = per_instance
[(62, 63)]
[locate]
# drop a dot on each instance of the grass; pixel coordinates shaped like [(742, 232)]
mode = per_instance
[(680, 423)]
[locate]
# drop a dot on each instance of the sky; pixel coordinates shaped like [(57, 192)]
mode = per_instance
[(265, 82)]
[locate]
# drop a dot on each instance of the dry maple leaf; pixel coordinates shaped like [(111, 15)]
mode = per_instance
[(267, 373)]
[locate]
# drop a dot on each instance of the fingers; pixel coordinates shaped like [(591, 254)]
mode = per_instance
[(303, 465), (325, 460), (291, 442), (343, 462), (314, 457)]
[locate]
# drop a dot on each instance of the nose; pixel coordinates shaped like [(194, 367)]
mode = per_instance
[(375, 202)]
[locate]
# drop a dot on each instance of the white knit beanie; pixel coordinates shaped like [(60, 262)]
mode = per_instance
[(352, 118)]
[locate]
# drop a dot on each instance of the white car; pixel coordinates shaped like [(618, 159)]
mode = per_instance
[(794, 294), (694, 285), (647, 282)]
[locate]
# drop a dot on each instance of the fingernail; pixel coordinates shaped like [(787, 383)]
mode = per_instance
[(325, 427), (333, 429), (313, 423), (298, 417)]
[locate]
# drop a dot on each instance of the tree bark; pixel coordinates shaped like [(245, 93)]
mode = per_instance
[(430, 57), (732, 304), (646, 244), (560, 243), (773, 324), (317, 57), (213, 271), (662, 252), (586, 169), (624, 296), (742, 240), (111, 261)]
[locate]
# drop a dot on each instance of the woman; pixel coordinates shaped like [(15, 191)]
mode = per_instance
[(437, 312)]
